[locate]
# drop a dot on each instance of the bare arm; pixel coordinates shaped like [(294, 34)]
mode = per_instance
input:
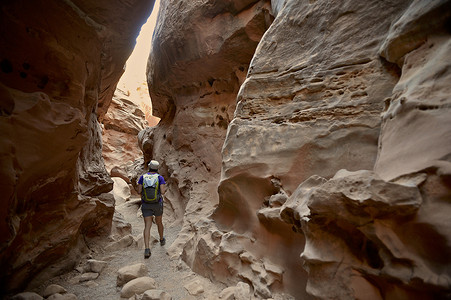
[(140, 188), (163, 188)]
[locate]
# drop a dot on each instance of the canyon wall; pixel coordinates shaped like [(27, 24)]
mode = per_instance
[(60, 63), (199, 58), (335, 169), (121, 125)]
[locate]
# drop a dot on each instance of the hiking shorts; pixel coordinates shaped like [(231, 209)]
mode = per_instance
[(152, 209)]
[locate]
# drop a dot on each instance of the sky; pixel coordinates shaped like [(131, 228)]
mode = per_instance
[(135, 72)]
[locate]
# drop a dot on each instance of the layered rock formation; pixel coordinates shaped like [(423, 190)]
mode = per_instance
[(139, 95), (311, 105), (60, 62), (199, 59), (121, 125), (332, 86)]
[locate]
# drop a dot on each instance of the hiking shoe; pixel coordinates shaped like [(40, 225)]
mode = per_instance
[(162, 241), (147, 253)]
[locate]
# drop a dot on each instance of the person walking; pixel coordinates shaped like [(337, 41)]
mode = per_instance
[(152, 186)]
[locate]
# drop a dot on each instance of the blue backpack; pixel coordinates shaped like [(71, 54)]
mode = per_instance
[(151, 188)]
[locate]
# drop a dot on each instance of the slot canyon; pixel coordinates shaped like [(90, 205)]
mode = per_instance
[(305, 145)]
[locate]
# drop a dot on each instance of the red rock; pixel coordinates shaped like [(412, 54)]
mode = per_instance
[(122, 123), (60, 62), (310, 105), (193, 77)]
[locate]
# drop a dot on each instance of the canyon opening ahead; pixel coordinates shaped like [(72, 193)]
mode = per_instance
[(305, 145)]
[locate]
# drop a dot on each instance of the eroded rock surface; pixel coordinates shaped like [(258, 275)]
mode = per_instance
[(199, 59), (416, 126), (60, 62), (121, 125), (357, 227), (284, 218), (391, 225), (311, 104)]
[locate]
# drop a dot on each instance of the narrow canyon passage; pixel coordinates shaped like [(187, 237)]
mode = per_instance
[(302, 142), (172, 276)]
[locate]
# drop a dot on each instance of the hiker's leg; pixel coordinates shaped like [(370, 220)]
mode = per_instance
[(146, 233), (159, 221)]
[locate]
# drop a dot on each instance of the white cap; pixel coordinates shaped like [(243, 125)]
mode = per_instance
[(153, 164)]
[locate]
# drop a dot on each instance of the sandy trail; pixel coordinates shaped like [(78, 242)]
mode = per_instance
[(170, 275)]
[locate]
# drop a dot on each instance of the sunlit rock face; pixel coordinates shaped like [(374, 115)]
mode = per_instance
[(121, 125), (120, 128), (370, 238), (416, 131), (199, 58), (385, 234), (320, 79), (311, 105), (60, 62)]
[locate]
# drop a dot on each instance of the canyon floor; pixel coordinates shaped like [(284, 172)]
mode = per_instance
[(171, 275)]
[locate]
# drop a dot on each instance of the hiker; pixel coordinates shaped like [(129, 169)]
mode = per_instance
[(152, 186)]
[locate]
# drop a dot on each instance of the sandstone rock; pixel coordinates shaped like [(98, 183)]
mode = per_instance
[(124, 115), (414, 147), (361, 209), (269, 216), (309, 106), (121, 190), (137, 286), (415, 133), (213, 244), (119, 172), (100, 215), (376, 198), (93, 178), (53, 289), (277, 199), (122, 123), (96, 266), (124, 242), (228, 293), (135, 87), (296, 206), (410, 31), (230, 41), (74, 280), (194, 288), (197, 108), (58, 296), (242, 291), (305, 109), (127, 273), (156, 295), (27, 296), (120, 227), (51, 145)]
